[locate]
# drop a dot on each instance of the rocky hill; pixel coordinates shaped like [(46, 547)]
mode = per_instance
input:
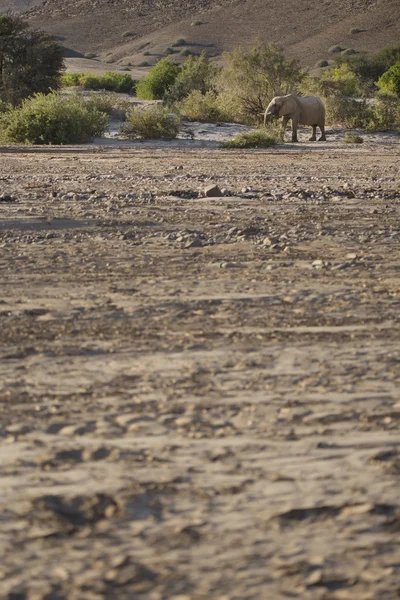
[(123, 31)]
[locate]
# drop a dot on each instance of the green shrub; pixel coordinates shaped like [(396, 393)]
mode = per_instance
[(385, 114), (147, 53), (196, 23), (180, 42), (52, 119), (349, 52), (186, 52), (260, 138), (368, 68), (197, 73), (90, 55), (4, 107), (355, 30), (70, 79), (389, 82), (352, 138), (160, 78), (334, 49), (110, 81), (252, 78), (348, 112), (201, 107), (108, 102), (322, 63), (150, 124), (128, 34), (170, 51), (144, 63)]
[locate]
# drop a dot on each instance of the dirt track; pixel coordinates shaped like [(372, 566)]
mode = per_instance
[(200, 396)]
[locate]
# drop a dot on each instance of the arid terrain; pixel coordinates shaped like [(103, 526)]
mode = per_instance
[(126, 33), (200, 396)]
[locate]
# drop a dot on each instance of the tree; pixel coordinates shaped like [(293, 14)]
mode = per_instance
[(197, 74), (30, 61), (254, 77), (389, 82), (159, 80)]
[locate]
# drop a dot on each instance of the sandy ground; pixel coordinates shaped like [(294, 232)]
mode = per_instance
[(200, 396)]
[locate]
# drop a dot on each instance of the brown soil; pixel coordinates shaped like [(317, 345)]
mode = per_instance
[(123, 31), (200, 396)]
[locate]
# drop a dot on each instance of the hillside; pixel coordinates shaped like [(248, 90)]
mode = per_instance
[(141, 30)]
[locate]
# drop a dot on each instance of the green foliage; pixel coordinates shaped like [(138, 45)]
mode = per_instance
[(322, 63), (4, 107), (197, 73), (147, 53), (351, 113), (110, 103), (352, 138), (128, 34), (179, 42), (52, 119), (368, 68), (260, 138), (355, 30), (202, 107), (159, 80), (109, 81), (170, 51), (186, 52), (150, 124), (349, 52), (254, 77), (144, 63), (196, 23), (335, 49), (385, 114), (30, 61), (389, 82), (90, 55)]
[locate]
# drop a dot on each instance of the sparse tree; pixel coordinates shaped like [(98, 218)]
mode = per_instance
[(254, 77), (30, 61)]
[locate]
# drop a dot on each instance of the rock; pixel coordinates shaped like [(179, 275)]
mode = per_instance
[(196, 243), (6, 198), (267, 241), (212, 191)]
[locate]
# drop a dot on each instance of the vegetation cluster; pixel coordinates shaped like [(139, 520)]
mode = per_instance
[(359, 90)]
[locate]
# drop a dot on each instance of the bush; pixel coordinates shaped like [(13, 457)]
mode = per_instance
[(90, 55), (180, 42), (334, 49), (161, 77), (144, 63), (196, 23), (150, 124), (351, 113), (322, 63), (170, 51), (186, 52), (147, 53), (349, 52), (108, 102), (110, 81), (352, 138), (51, 119), (369, 68), (253, 78), (355, 30), (389, 82), (30, 61), (197, 73), (201, 107), (385, 114), (260, 138)]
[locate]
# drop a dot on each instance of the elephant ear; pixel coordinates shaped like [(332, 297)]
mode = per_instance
[(288, 107)]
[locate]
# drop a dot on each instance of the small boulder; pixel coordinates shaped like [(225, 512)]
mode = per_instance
[(212, 191)]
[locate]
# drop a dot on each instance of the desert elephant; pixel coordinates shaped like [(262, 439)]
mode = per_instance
[(304, 110)]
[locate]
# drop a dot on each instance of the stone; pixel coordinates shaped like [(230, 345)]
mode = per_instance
[(212, 191)]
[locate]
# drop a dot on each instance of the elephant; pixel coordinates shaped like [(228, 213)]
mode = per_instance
[(305, 110)]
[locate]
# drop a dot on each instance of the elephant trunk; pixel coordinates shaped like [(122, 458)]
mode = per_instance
[(268, 117)]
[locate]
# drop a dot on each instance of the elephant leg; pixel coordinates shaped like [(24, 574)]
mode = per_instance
[(313, 138), (285, 121), (295, 124), (322, 138)]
